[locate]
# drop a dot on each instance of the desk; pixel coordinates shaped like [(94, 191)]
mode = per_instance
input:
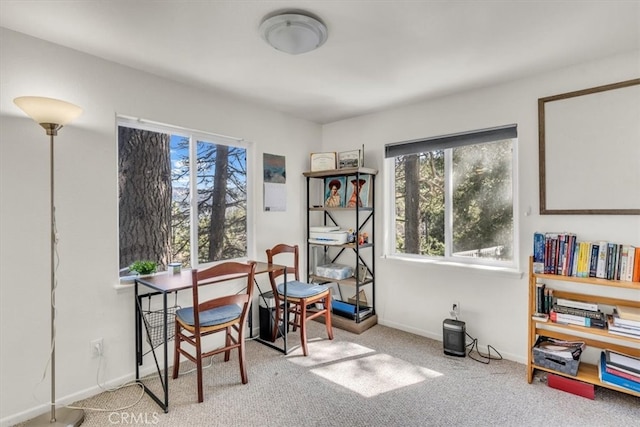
[(164, 284)]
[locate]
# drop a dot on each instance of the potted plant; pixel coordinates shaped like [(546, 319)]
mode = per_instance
[(143, 268)]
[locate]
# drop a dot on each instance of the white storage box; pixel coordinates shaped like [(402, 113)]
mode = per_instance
[(334, 271), (328, 237)]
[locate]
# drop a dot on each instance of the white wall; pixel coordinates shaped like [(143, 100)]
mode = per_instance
[(86, 197), (416, 296), (409, 296)]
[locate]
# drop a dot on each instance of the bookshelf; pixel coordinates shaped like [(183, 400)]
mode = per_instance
[(592, 337), (358, 217)]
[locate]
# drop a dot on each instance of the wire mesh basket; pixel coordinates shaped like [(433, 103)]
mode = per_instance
[(154, 323)]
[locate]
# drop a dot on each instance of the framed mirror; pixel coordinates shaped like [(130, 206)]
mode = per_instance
[(589, 151)]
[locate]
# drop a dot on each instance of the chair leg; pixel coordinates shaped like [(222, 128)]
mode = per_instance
[(274, 330), (241, 356), (227, 343), (176, 352), (303, 327), (199, 368), (327, 317)]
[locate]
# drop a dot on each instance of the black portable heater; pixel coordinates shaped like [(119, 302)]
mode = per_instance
[(453, 337)]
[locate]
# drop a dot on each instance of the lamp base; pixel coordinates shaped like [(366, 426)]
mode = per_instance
[(64, 417)]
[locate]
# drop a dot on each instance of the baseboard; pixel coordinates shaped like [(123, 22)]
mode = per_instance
[(438, 337), (74, 397)]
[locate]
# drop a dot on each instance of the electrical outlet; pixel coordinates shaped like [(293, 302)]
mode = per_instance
[(96, 347), (455, 308)]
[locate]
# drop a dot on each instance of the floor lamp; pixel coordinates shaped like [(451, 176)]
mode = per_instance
[(52, 114)]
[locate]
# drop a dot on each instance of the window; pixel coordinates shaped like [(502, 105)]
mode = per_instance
[(453, 197), (182, 195)]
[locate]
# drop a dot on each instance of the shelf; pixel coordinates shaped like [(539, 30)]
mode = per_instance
[(589, 374), (593, 337), (351, 325), (336, 172), (589, 281), (348, 281), (345, 245)]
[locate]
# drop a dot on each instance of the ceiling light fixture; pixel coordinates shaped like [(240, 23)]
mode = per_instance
[(293, 33)]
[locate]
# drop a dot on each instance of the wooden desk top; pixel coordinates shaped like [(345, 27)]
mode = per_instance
[(167, 282)]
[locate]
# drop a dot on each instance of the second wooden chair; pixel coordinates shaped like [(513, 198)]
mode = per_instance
[(300, 295)]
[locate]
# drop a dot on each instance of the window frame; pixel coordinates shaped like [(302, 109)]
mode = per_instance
[(389, 213), (194, 136)]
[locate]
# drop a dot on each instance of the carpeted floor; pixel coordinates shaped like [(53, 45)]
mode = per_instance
[(383, 377)]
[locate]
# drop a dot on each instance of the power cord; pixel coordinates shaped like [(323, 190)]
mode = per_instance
[(134, 383), (483, 358)]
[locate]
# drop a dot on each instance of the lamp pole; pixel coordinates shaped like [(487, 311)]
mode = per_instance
[(52, 114)]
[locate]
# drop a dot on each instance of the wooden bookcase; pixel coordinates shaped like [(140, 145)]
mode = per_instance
[(592, 337)]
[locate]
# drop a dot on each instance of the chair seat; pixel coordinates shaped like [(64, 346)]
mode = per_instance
[(296, 289), (215, 316)]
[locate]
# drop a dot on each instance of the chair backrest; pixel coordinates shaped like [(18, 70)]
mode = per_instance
[(219, 273), (273, 253)]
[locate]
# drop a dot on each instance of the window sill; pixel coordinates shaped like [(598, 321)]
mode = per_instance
[(483, 269)]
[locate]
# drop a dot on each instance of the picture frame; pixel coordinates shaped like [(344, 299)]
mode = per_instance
[(350, 159), (363, 272), (573, 128), (323, 161), (358, 193), (335, 191)]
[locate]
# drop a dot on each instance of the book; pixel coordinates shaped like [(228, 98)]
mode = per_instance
[(635, 276), (628, 323), (591, 306), (571, 386), (628, 313), (622, 361), (578, 312), (602, 260), (620, 373), (538, 252), (593, 262), (347, 310), (630, 262), (569, 319), (621, 330), (615, 380), (540, 297)]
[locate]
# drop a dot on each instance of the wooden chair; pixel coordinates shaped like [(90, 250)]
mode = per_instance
[(223, 314), (299, 295)]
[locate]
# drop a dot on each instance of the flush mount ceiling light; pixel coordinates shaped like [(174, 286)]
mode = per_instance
[(293, 33)]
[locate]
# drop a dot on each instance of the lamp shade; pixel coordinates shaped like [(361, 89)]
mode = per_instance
[(293, 33), (48, 110)]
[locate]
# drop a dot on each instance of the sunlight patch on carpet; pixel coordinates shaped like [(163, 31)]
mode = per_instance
[(373, 375), (325, 351)]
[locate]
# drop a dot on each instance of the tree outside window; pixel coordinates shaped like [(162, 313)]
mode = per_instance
[(158, 217), (455, 202)]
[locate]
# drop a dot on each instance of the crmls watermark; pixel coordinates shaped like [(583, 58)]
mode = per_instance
[(130, 418)]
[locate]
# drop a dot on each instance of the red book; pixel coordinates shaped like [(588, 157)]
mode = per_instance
[(572, 386), (623, 374)]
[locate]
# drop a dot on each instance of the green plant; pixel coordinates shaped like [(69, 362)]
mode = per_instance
[(143, 267)]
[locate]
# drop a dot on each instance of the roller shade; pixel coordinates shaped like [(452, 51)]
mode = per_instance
[(450, 141)]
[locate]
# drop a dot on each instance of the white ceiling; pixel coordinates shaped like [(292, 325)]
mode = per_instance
[(379, 54)]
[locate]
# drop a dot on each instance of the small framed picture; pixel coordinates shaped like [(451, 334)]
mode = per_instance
[(358, 193), (335, 190), (350, 159), (323, 161), (362, 272)]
